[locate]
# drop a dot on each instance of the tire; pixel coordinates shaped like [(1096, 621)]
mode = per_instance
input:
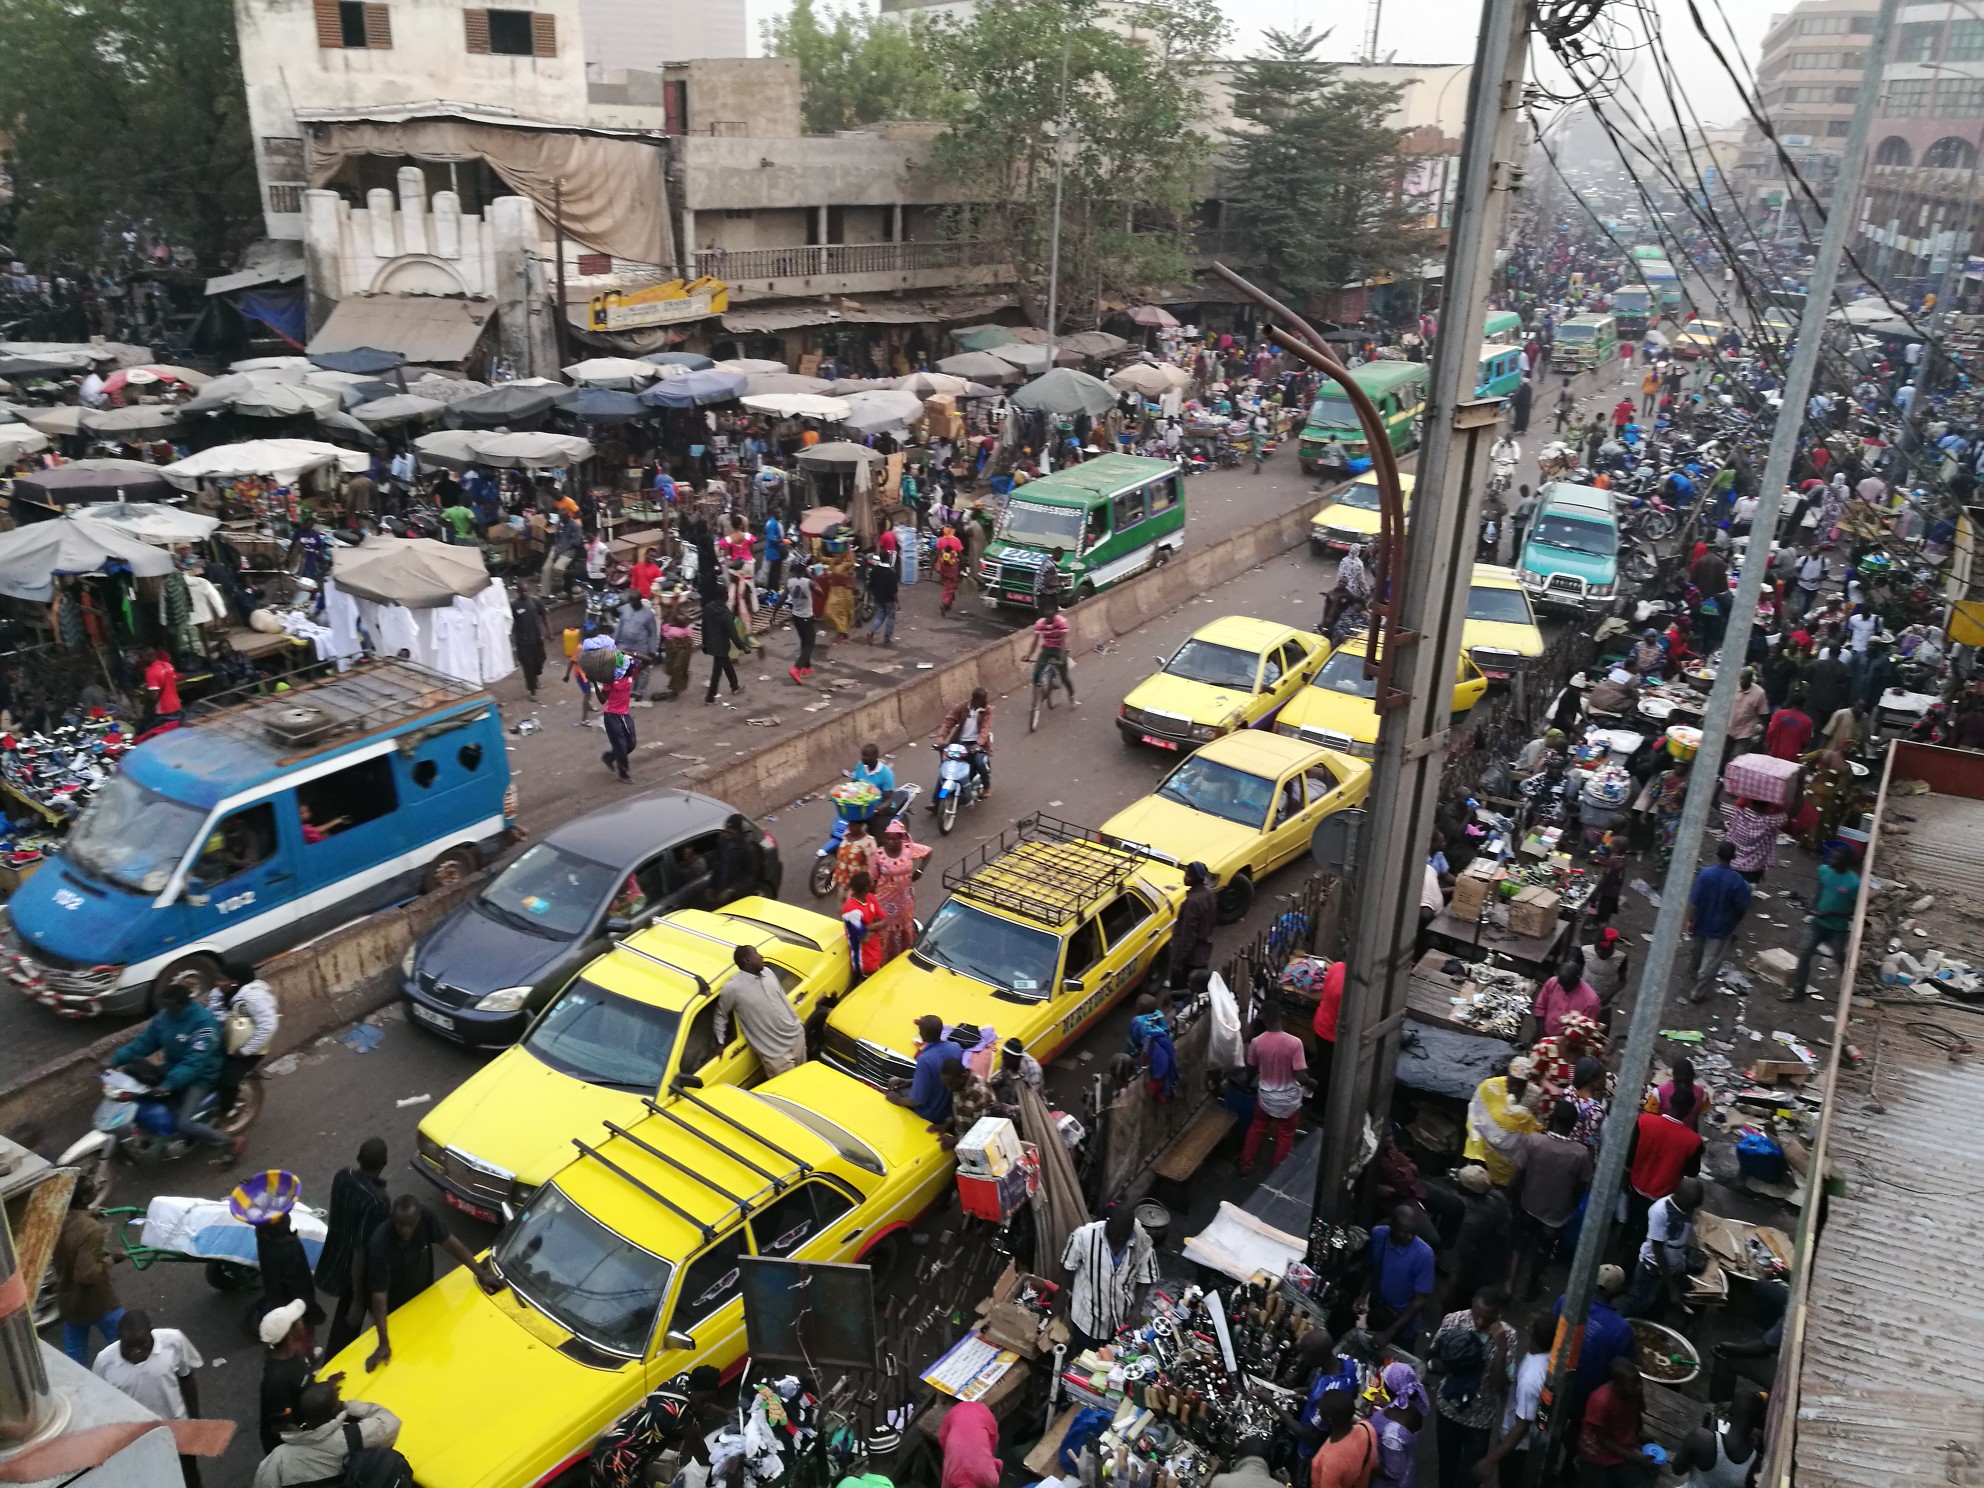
[(1033, 713), (454, 865), (228, 1276), (1084, 592), (947, 814), (94, 1180), (820, 879), (247, 1106), (1236, 897), (1657, 526), (206, 967), (1639, 565)]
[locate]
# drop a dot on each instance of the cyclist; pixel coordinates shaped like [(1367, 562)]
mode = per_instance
[(1050, 649)]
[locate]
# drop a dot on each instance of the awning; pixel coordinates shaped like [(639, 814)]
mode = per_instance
[(421, 328), (275, 271)]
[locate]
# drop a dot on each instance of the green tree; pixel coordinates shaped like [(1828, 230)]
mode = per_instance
[(1317, 174), (125, 113), (1025, 75), (856, 68)]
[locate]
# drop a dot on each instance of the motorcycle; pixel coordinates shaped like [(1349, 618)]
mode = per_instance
[(140, 1122), (892, 804), (958, 786)]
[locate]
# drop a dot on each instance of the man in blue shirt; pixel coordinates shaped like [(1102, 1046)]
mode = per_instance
[(926, 1093), (188, 1042), (774, 554), (1401, 1278), (872, 770), (1604, 1337), (1832, 917), (1720, 899)]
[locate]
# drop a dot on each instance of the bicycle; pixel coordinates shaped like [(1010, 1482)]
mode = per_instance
[(1047, 677)]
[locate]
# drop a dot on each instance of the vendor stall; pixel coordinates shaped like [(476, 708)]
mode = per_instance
[(431, 602)]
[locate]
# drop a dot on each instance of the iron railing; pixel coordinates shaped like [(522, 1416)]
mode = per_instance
[(826, 260)]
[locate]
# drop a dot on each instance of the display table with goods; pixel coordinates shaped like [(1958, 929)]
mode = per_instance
[(55, 774)]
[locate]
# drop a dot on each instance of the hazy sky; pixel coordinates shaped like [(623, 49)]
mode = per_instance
[(1444, 31)]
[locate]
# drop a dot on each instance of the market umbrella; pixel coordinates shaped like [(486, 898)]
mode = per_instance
[(980, 365), (285, 400), (27, 368), (1152, 379), (454, 449), (283, 460), (367, 361), (506, 403), (34, 556), (1151, 315), (872, 412), (151, 374), (1094, 344), (447, 389), (220, 391), (695, 389), (55, 422), (748, 365), (614, 372), (140, 421), (337, 421), (929, 384), (269, 364), (416, 572), (837, 455), (17, 440), (760, 383), (95, 480), (821, 520), (399, 408), (797, 405), (152, 522), (840, 387), (983, 337), (601, 405), (692, 361), (1035, 358), (1066, 391)]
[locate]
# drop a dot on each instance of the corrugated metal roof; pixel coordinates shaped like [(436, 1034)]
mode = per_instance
[(421, 328), (1892, 1368)]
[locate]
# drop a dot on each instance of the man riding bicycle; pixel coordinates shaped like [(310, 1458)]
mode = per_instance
[(1050, 649)]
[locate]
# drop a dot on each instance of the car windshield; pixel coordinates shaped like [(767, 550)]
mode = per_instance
[(1575, 333), (549, 892), (133, 837), (1363, 496), (1594, 538), (976, 944), (1344, 672), (1217, 666), (584, 1277), (1219, 790), (1040, 526), (1333, 413), (603, 1038), (1502, 606)]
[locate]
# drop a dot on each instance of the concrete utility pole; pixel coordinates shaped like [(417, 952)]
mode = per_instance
[(1430, 579), (1841, 213)]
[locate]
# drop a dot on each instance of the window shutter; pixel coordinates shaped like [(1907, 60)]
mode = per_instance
[(543, 34), (379, 27), (330, 33), (476, 23)]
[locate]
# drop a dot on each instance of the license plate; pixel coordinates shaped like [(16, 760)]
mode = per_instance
[(428, 1016), (1160, 743), (474, 1211)]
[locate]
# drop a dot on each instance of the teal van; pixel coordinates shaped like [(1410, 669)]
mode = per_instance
[(1570, 559), (1503, 327), (1632, 309), (1500, 371), (1664, 282), (262, 824), (1112, 517), (1399, 391)]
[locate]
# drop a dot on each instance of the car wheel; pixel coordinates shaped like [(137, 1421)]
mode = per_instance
[(454, 865), (206, 968), (1236, 897)]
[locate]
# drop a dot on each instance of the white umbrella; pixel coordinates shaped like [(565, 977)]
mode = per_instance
[(284, 460), (979, 364), (270, 364), (139, 421), (284, 400), (1152, 379), (56, 421), (34, 556), (397, 408), (872, 412), (454, 449), (757, 383), (155, 522), (416, 572), (448, 389), (612, 372), (749, 365), (17, 440), (1027, 358), (797, 405), (929, 384), (837, 453)]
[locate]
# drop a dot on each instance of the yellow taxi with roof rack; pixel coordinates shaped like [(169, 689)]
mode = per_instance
[(1350, 517), (1339, 709), (616, 1037), (626, 1269), (1234, 673), (1044, 928)]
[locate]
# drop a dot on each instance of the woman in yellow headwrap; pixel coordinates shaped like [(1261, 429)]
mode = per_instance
[(1497, 1120)]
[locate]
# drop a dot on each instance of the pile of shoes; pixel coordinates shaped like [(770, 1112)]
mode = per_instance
[(63, 769)]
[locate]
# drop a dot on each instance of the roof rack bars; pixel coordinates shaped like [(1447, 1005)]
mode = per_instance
[(702, 986), (714, 1187), (776, 1181), (708, 1232), (683, 1089)]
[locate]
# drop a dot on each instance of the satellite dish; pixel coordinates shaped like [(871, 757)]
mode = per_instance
[(1336, 840)]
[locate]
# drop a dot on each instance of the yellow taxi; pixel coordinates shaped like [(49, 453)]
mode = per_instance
[(616, 1036), (1337, 709), (1233, 673), (1046, 926), (624, 1270), (1350, 516), (1244, 805), (1500, 634), (1696, 339)]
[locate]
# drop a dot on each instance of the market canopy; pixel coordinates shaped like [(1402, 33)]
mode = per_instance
[(413, 571), (447, 389), (282, 460), (983, 337), (17, 440), (1029, 358), (837, 455), (929, 384), (33, 557), (140, 421), (695, 389), (1151, 315), (601, 405), (285, 400), (151, 375), (367, 361), (506, 403), (797, 405), (95, 480), (759, 383), (1094, 344), (1152, 379), (693, 361), (613, 372), (27, 368), (55, 422), (398, 408), (457, 449), (151, 522), (981, 365), (1066, 391), (748, 365), (872, 412)]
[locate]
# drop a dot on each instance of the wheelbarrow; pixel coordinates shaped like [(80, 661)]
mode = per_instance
[(204, 1232)]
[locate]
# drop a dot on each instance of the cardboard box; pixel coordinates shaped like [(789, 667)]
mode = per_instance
[(1472, 888), (1776, 964), (1012, 1324), (1533, 912), (1770, 1071), (991, 1149)]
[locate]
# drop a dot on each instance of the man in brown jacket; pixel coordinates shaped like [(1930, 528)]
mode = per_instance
[(85, 1297), (970, 724)]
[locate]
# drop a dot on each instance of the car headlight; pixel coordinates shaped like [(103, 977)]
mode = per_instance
[(1601, 591), (430, 1151), (1529, 576), (503, 1000), (1205, 731), (406, 961)]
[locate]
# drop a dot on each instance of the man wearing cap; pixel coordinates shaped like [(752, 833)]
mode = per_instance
[(1481, 1248), (1017, 1068), (1191, 941), (1605, 1336), (289, 1338)]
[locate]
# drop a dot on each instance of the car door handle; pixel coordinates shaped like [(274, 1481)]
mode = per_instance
[(277, 877), (853, 1235)]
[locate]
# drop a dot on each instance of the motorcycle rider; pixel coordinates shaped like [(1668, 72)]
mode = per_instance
[(1503, 457), (185, 1034), (970, 724), (873, 770)]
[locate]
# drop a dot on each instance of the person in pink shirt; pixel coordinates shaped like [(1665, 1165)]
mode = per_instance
[(1566, 992), (1284, 1079)]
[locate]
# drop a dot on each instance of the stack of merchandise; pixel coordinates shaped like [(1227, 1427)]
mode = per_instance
[(60, 772)]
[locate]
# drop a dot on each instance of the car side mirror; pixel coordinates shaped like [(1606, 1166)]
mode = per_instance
[(194, 897), (677, 1340), (619, 925), (1162, 662), (685, 1082), (1071, 984)]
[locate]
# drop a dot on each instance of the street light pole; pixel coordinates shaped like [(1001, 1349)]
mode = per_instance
[(1054, 233)]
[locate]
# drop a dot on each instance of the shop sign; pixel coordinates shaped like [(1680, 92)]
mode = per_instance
[(658, 304)]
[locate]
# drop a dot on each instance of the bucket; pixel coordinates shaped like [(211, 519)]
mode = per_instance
[(1156, 1220)]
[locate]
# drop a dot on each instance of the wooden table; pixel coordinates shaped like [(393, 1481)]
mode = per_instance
[(1429, 994), (1533, 952), (633, 544)]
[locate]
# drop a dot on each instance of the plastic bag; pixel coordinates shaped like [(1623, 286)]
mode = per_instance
[(1225, 1046)]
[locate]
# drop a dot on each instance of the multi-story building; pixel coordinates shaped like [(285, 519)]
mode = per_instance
[(1808, 77)]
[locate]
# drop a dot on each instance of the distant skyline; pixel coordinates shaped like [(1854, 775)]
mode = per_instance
[(1444, 31)]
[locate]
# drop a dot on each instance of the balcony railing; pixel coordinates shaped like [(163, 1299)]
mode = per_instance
[(830, 260)]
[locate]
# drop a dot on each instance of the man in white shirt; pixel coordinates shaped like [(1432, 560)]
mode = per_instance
[(152, 1366), (1663, 1258), (90, 394), (1114, 1267), (1525, 1399)]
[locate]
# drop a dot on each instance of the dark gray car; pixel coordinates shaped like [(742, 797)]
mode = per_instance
[(481, 975)]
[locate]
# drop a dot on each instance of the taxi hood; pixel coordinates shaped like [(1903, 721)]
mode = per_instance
[(1177, 831), (519, 1114), (1201, 702)]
